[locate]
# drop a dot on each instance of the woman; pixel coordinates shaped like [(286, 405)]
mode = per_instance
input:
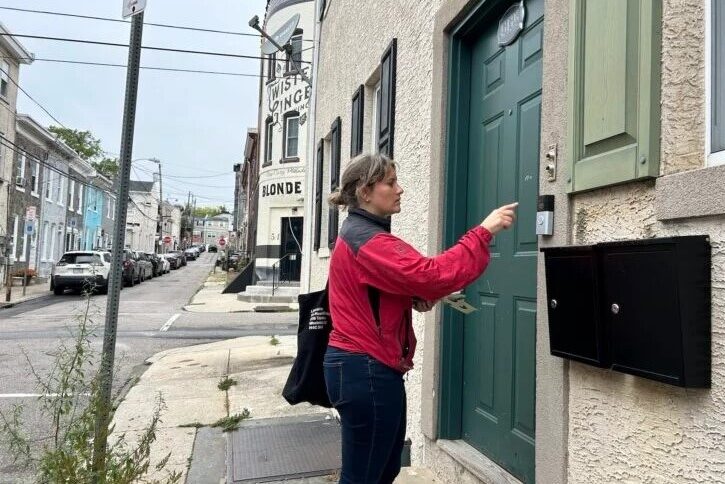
[(375, 279)]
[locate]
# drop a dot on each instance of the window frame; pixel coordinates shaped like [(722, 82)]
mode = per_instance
[(271, 67), (285, 155), (22, 159), (357, 123), (268, 141), (35, 178), (5, 79), (716, 158), (317, 216), (296, 37), (335, 173), (377, 91)]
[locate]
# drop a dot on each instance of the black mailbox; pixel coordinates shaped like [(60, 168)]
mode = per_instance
[(643, 307)]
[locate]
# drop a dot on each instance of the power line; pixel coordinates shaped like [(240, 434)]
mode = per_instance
[(106, 19), (7, 74), (160, 49), (150, 68)]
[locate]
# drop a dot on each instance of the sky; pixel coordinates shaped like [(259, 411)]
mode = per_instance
[(195, 124)]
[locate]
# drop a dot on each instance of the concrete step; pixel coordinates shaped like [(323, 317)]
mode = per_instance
[(263, 294), (278, 284)]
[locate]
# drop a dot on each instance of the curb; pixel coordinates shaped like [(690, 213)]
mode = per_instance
[(4, 305)]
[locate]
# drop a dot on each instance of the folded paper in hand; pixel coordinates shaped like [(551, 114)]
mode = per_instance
[(458, 302)]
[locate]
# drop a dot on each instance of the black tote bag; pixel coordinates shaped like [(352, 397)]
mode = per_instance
[(306, 381)]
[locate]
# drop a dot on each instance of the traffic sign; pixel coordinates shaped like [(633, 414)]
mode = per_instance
[(30, 227), (30, 212), (167, 239), (222, 242), (133, 7)]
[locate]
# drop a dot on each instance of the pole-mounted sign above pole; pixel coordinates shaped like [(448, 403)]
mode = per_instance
[(133, 7), (281, 36)]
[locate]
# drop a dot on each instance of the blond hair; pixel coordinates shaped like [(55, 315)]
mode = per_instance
[(363, 171)]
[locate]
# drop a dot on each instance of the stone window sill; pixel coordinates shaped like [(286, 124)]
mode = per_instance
[(475, 462), (694, 193), (323, 253)]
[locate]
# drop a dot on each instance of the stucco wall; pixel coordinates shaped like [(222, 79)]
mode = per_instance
[(623, 428), (343, 66)]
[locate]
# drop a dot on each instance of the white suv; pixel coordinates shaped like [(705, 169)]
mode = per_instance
[(81, 270)]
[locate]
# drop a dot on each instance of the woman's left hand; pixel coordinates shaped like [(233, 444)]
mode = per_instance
[(423, 306)]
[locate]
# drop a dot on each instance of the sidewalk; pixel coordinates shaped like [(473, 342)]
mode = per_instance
[(255, 368), (33, 291), (210, 299)]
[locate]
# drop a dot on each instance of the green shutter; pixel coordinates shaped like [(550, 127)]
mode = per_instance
[(614, 92)]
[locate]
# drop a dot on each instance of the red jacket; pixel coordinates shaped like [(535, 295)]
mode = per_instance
[(374, 277)]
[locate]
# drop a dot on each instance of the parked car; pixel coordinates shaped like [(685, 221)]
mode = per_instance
[(173, 260), (147, 268), (191, 253), (80, 270), (131, 269), (212, 248), (156, 262), (165, 264), (181, 255)]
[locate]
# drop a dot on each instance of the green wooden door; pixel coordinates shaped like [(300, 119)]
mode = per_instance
[(499, 340)]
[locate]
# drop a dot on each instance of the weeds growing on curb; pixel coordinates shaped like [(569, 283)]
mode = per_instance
[(194, 425), (230, 423), (274, 341), (70, 401), (226, 383)]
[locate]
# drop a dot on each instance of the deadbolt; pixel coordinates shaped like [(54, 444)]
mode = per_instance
[(615, 308), (554, 303)]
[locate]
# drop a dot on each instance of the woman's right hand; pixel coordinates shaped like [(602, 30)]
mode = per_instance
[(500, 219)]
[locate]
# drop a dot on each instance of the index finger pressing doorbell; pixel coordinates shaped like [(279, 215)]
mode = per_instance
[(545, 215)]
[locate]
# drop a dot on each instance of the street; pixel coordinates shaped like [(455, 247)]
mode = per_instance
[(151, 319)]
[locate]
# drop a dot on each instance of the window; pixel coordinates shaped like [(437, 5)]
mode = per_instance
[(356, 124), (296, 44), (716, 83), (15, 236), (291, 136), (4, 78), (271, 67), (46, 241), (21, 171), (80, 198), (334, 213), (268, 138), (34, 179), (71, 194), (386, 101), (49, 178), (319, 165), (374, 119)]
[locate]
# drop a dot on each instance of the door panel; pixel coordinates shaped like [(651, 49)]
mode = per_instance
[(499, 340)]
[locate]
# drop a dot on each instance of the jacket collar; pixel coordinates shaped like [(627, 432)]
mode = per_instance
[(382, 222)]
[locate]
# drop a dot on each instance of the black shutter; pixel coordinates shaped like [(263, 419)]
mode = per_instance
[(356, 125), (318, 193), (386, 110), (335, 137)]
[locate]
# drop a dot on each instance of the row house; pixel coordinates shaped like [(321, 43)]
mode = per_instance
[(12, 55), (142, 216), (52, 182), (171, 225), (576, 369), (210, 230)]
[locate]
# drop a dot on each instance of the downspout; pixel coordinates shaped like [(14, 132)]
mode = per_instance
[(311, 160)]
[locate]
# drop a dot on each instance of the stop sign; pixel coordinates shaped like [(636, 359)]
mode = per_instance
[(167, 239), (222, 242)]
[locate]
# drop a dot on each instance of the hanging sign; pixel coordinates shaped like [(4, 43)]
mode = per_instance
[(511, 24)]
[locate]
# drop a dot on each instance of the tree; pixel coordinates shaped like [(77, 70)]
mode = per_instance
[(88, 148), (210, 211)]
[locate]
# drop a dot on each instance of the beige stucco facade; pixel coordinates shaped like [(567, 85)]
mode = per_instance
[(592, 425)]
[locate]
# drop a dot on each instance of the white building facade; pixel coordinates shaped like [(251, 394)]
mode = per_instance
[(283, 117), (142, 218)]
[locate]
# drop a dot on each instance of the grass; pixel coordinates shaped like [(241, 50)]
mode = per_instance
[(230, 423), (226, 383), (194, 425), (274, 341)]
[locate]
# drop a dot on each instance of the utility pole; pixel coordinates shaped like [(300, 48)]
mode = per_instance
[(193, 221), (109, 333), (188, 218)]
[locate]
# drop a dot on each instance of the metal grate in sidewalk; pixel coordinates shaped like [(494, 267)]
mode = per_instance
[(284, 449)]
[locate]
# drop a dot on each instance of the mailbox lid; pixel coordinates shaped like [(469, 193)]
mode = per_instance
[(575, 327), (642, 304)]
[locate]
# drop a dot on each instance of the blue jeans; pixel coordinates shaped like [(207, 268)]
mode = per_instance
[(370, 398)]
